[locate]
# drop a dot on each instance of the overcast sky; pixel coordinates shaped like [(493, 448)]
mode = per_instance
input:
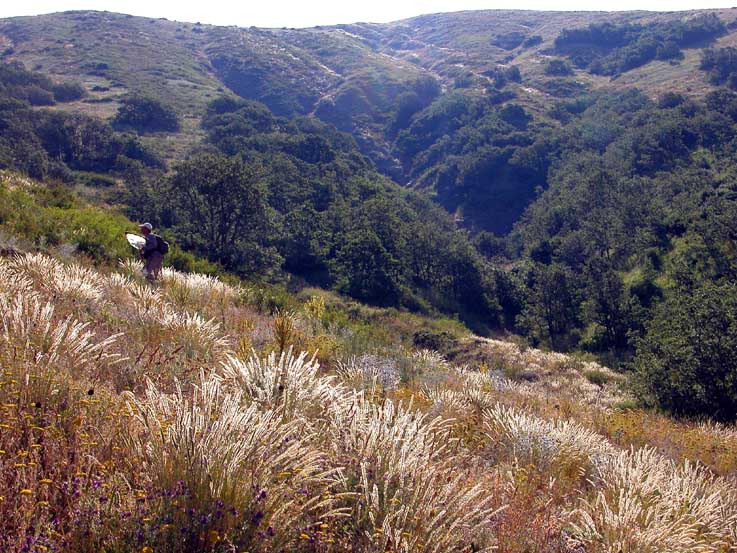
[(306, 13)]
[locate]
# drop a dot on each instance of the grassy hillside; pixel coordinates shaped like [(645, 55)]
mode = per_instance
[(349, 75), (585, 162), (183, 417)]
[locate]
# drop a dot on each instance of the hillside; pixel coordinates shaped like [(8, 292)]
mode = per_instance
[(349, 75), (567, 178), (182, 417)]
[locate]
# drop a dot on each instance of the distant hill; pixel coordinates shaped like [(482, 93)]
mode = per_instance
[(349, 75)]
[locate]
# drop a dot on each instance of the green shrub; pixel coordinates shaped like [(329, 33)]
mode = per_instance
[(68, 92), (687, 362), (599, 378), (146, 114)]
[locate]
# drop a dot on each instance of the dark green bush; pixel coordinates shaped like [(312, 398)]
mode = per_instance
[(558, 68), (146, 114), (68, 92), (687, 362)]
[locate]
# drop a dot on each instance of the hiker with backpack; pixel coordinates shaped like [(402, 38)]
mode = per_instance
[(152, 252)]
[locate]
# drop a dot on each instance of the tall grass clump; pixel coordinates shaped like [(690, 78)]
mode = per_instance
[(289, 384), (234, 473), (647, 504), (561, 446), (411, 494), (198, 291), (371, 373)]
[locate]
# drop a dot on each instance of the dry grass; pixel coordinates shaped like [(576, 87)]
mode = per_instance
[(177, 418)]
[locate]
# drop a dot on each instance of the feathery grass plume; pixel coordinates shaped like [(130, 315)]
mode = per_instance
[(11, 282), (132, 268), (146, 304), (446, 401), (116, 288), (37, 267), (411, 495), (198, 337), (202, 290), (491, 380), (430, 360), (67, 282), (288, 384), (28, 326), (370, 373), (479, 399), (562, 446), (78, 284), (649, 504), (723, 431), (41, 347), (389, 433), (241, 458), (432, 509)]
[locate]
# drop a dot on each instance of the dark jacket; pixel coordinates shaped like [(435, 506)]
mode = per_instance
[(152, 245)]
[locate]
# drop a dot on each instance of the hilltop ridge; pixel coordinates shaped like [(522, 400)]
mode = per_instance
[(350, 75)]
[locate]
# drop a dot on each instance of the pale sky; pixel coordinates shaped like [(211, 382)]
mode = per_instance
[(307, 13)]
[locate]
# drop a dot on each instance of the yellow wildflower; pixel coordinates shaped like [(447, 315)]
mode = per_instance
[(25, 491)]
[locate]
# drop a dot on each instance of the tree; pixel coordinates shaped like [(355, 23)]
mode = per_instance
[(364, 269), (558, 68), (220, 211), (687, 362), (551, 311), (146, 114)]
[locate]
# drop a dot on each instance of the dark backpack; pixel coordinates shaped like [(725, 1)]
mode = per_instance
[(162, 246)]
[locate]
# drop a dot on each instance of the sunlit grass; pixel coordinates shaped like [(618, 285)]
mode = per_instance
[(184, 416)]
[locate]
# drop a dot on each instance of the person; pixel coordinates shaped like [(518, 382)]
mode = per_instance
[(153, 258)]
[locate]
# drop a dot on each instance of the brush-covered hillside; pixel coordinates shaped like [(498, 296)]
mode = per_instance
[(566, 180), (208, 415), (368, 79)]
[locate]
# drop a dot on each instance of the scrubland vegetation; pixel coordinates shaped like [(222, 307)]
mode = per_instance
[(186, 416), (248, 402)]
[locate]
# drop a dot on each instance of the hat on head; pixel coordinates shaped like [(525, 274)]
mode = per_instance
[(149, 226)]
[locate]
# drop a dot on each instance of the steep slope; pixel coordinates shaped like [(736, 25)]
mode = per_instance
[(593, 202), (179, 417), (349, 75)]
